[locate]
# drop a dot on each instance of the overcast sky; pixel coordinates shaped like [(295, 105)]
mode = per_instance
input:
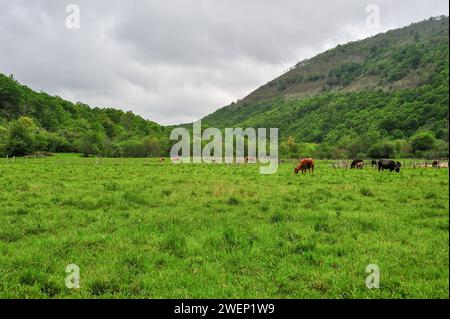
[(175, 61)]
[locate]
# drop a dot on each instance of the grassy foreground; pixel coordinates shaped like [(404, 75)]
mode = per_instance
[(140, 229)]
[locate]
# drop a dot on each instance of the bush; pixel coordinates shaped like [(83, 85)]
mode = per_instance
[(19, 140), (361, 155), (382, 150), (423, 141), (90, 144), (51, 142), (133, 148)]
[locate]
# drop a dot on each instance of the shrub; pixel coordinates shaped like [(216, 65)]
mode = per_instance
[(382, 150), (423, 141)]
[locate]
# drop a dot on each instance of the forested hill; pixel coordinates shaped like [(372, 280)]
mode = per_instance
[(384, 96), (383, 90), (31, 121)]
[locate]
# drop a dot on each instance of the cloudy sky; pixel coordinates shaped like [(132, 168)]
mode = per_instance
[(175, 61)]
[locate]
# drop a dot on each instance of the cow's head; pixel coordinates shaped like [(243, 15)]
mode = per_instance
[(398, 165), (296, 170)]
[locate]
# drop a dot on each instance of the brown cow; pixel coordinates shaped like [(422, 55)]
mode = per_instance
[(359, 165), (305, 164)]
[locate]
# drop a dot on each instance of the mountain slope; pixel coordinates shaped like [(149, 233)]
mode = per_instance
[(392, 82), (382, 96)]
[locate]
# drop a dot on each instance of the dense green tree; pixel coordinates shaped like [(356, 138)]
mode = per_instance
[(152, 146), (383, 149), (51, 142), (133, 148), (403, 148), (90, 144), (423, 141), (20, 140)]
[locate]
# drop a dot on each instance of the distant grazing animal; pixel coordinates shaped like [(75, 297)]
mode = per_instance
[(161, 160), (374, 163), (443, 165), (359, 165), (439, 164), (250, 159), (356, 161), (389, 164), (305, 164)]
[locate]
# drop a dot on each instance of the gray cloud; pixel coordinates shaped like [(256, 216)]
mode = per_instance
[(175, 61)]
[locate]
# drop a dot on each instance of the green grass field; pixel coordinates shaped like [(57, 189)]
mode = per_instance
[(140, 229)]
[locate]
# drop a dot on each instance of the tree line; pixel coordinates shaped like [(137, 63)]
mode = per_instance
[(31, 121)]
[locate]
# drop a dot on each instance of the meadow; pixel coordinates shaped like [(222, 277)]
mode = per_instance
[(140, 229)]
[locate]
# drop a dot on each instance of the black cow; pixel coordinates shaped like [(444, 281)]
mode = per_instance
[(373, 163), (389, 164), (356, 161)]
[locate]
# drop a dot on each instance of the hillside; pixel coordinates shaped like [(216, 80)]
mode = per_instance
[(383, 96), (387, 87), (31, 121)]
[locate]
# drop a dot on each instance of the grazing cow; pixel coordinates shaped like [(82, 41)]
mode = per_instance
[(435, 164), (356, 161), (359, 165), (374, 163), (161, 159), (305, 164), (389, 164)]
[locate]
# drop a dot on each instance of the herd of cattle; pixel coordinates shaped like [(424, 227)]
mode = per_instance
[(382, 164), (307, 164)]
